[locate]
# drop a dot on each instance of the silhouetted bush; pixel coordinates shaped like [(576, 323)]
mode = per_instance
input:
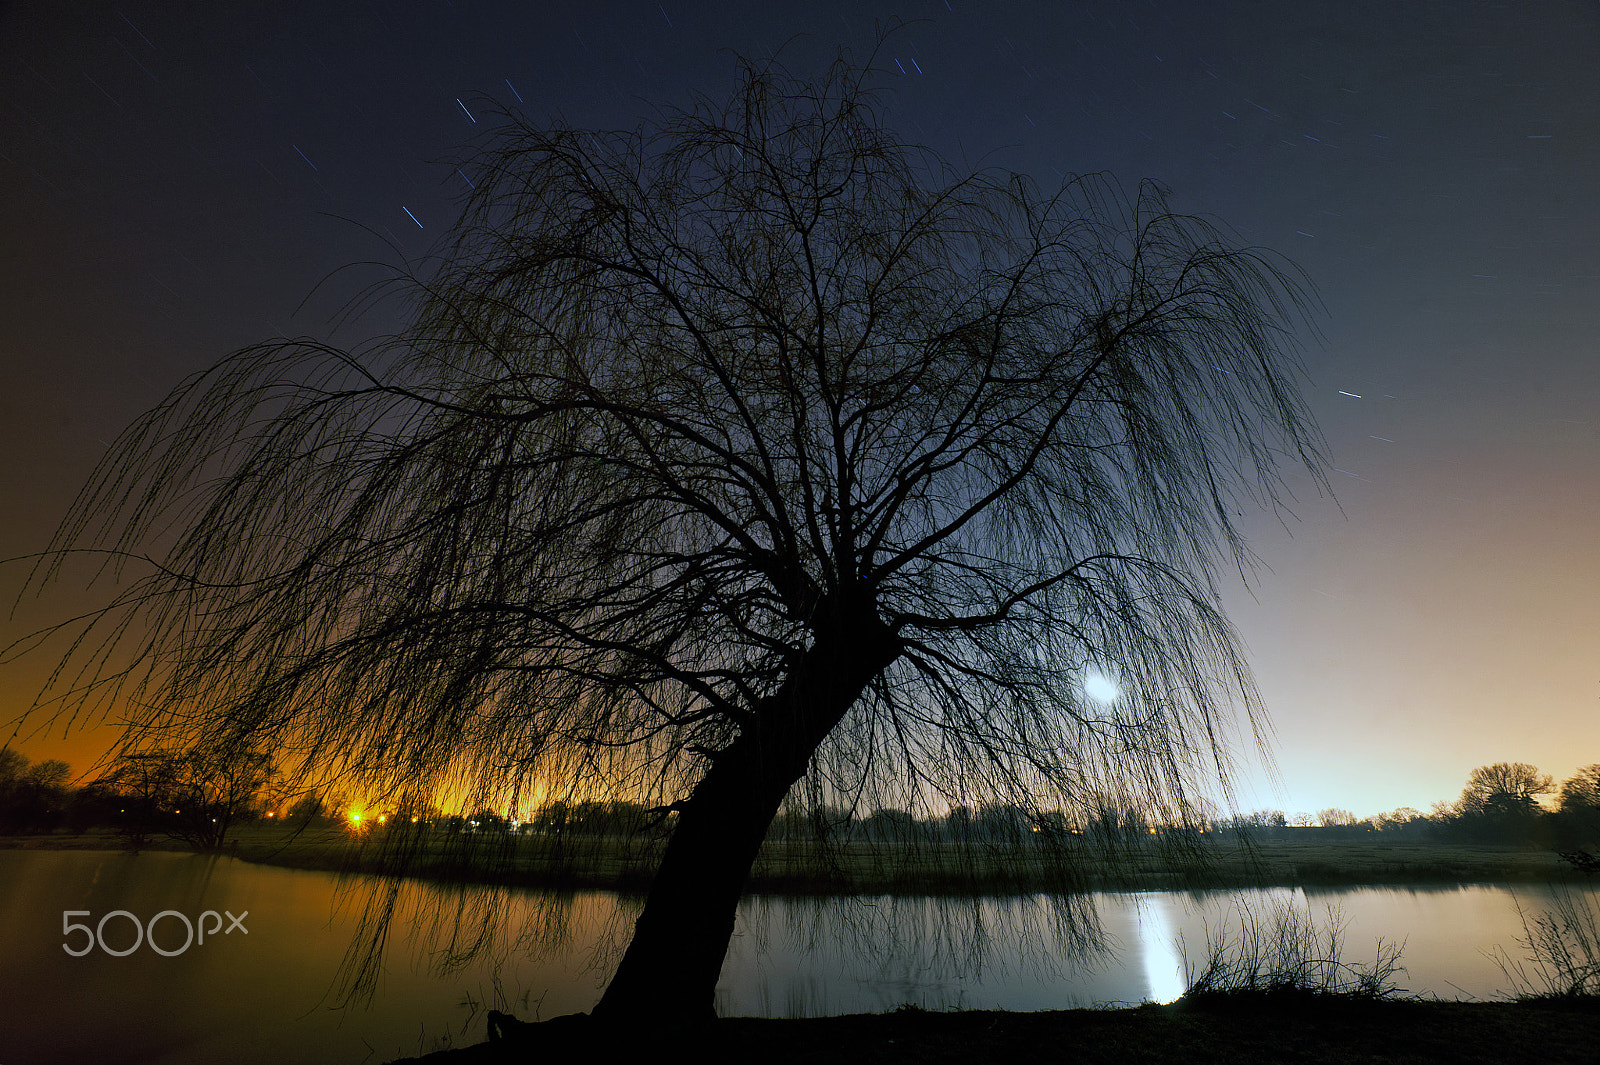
[(1563, 951), (1284, 957), (1582, 861)]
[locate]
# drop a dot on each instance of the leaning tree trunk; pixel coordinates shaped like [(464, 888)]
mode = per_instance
[(670, 969)]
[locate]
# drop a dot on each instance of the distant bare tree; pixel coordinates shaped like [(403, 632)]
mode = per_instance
[(754, 450), (139, 783), (1505, 787), (1500, 804), (194, 796), (32, 795)]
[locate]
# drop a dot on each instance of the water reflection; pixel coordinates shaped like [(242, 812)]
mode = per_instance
[(444, 954), (810, 956), (1159, 951)]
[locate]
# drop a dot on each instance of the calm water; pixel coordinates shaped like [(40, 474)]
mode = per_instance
[(269, 991)]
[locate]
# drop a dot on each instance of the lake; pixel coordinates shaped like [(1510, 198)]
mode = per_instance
[(264, 985)]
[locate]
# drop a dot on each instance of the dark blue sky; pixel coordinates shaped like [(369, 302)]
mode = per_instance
[(175, 179)]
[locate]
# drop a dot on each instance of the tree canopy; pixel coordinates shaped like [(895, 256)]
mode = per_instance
[(752, 448), (1580, 794), (1504, 788)]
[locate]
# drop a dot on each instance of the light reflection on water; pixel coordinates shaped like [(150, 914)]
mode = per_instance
[(272, 995), (1159, 951)]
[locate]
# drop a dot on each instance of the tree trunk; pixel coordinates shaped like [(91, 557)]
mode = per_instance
[(670, 969)]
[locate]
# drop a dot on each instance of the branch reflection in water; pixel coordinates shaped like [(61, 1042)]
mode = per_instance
[(451, 928), (789, 957)]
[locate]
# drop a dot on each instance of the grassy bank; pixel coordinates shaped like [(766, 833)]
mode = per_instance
[(890, 868), (1321, 1032)]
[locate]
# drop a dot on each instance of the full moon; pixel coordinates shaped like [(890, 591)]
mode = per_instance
[(1100, 688)]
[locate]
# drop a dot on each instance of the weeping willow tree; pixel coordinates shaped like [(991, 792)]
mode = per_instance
[(753, 455)]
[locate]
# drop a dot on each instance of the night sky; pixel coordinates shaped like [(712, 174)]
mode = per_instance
[(176, 179)]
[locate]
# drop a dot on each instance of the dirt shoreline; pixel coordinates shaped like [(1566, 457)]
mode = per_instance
[(1329, 1031)]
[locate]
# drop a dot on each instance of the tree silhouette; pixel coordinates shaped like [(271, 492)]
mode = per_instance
[(1580, 806), (1501, 801), (32, 796), (194, 796), (1504, 787), (754, 449), (1580, 793)]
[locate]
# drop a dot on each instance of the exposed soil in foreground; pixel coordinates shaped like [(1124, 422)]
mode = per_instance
[(1250, 1031)]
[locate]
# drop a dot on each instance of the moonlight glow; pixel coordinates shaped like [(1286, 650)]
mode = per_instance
[(1101, 688)]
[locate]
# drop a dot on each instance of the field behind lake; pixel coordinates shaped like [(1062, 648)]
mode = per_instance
[(863, 867)]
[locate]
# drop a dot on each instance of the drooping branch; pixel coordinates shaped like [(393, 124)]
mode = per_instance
[(677, 407)]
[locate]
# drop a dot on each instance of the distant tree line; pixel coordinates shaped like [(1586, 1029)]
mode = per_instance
[(1499, 805), (34, 797), (197, 797), (194, 797)]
